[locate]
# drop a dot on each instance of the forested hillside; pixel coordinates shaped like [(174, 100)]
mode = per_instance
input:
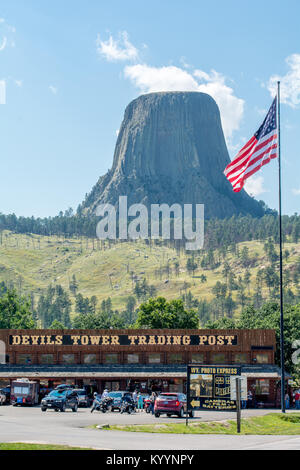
[(66, 272)]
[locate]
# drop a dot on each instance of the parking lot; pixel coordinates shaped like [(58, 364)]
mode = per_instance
[(26, 424), (84, 417)]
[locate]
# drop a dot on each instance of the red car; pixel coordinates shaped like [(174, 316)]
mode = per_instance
[(171, 404)]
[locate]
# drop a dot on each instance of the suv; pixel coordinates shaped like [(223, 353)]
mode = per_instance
[(2, 398), (117, 399), (83, 397), (6, 391), (59, 400), (171, 404)]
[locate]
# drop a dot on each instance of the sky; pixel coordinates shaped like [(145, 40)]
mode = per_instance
[(68, 70)]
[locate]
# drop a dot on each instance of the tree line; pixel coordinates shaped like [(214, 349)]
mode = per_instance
[(218, 232)]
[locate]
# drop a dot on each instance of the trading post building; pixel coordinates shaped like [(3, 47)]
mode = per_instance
[(139, 359)]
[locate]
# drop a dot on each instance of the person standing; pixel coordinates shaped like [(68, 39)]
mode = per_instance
[(152, 402), (140, 402), (250, 399), (297, 399), (287, 401), (134, 396), (96, 401)]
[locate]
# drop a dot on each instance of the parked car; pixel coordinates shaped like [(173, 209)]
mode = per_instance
[(2, 398), (117, 399), (6, 391), (83, 397), (171, 404), (60, 400)]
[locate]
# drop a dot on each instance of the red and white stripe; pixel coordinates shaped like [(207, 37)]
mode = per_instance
[(254, 155)]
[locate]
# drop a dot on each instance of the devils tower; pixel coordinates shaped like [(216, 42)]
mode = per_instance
[(171, 149)]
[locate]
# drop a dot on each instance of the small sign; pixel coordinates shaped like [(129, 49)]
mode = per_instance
[(209, 387), (244, 388)]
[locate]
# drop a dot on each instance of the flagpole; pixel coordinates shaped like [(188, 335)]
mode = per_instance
[(281, 269)]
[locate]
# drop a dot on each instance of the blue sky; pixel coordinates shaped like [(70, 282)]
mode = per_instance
[(68, 69)]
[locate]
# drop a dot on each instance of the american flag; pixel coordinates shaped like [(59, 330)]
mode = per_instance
[(259, 151)]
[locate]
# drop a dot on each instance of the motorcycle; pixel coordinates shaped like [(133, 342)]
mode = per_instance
[(105, 404), (127, 407), (147, 404)]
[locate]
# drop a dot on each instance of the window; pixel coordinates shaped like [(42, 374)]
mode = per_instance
[(46, 359), (240, 358), (219, 358), (197, 357), (112, 386), (25, 359), (21, 390), (262, 387), (133, 358), (68, 358), (154, 358), (175, 359), (111, 358), (262, 358), (90, 359), (176, 385)]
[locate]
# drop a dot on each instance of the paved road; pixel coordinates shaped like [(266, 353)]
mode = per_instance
[(31, 425)]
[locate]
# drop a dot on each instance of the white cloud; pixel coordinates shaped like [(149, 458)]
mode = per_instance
[(296, 192), (19, 83), (151, 79), (290, 83), (171, 78), (119, 49), (231, 107), (3, 43), (148, 79), (53, 89), (2, 92), (255, 186), (7, 33)]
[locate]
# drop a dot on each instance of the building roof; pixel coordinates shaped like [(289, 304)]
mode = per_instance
[(122, 371)]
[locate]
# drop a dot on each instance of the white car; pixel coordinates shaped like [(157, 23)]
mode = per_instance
[(2, 398)]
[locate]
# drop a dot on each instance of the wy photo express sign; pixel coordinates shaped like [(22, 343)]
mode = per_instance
[(122, 340), (209, 387)]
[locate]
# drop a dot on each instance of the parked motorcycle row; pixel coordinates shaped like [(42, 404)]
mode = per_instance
[(107, 404)]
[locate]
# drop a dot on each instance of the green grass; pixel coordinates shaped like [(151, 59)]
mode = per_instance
[(23, 446), (271, 424), (33, 262)]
